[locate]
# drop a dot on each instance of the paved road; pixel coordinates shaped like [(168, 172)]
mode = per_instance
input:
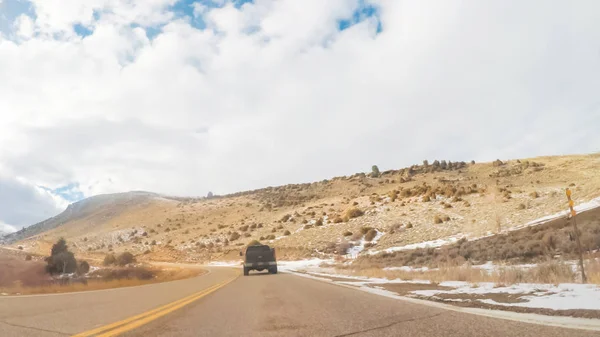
[(258, 305)]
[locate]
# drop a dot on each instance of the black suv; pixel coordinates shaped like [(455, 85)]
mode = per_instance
[(260, 257)]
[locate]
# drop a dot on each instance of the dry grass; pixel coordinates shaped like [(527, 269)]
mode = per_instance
[(158, 277), (551, 272)]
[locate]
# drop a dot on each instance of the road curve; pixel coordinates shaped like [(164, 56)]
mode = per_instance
[(71, 313), (257, 305), (288, 305)]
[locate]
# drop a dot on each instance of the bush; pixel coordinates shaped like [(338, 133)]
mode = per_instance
[(347, 233), (254, 243), (287, 232), (365, 230), (234, 236), (370, 235), (342, 248), (61, 260), (270, 237), (153, 243), (125, 259), (244, 228), (286, 218), (109, 259), (83, 268), (354, 213), (534, 195), (319, 222), (446, 218), (338, 219), (28, 257), (437, 220), (409, 225), (521, 206), (375, 171), (426, 198)]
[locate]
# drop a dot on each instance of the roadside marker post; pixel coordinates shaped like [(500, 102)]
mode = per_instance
[(573, 214)]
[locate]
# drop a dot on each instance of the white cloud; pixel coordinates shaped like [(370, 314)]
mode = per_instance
[(272, 92), (23, 204)]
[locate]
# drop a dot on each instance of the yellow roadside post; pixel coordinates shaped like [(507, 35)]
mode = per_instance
[(573, 214)]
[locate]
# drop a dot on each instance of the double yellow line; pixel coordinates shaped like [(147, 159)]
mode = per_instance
[(117, 328)]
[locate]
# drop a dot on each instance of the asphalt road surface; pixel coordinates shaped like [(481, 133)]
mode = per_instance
[(256, 305)]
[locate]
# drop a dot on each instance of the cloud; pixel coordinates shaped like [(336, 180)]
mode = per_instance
[(23, 204), (273, 92)]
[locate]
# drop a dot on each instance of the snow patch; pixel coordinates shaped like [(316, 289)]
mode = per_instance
[(225, 263), (558, 297), (425, 244)]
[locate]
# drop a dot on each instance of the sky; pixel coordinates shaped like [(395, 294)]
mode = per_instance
[(183, 97)]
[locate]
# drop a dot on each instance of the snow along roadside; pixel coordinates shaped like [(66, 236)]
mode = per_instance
[(556, 321)]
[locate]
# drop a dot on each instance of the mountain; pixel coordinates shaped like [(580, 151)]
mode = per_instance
[(436, 201), (90, 211)]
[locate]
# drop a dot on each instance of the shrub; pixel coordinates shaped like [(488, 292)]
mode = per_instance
[(409, 225), (254, 243), (347, 233), (61, 260), (365, 230), (259, 225), (437, 220), (280, 227), (109, 259), (244, 228), (125, 259), (83, 268), (308, 226), (270, 237), (234, 236), (319, 222), (356, 236), (521, 206), (534, 195), (286, 218), (28, 257), (375, 171), (342, 248), (287, 232), (147, 251), (426, 198), (370, 235), (446, 218), (338, 219), (354, 213)]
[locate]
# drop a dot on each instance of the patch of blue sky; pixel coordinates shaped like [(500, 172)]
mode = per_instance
[(364, 11), (82, 30), (70, 192), (10, 10)]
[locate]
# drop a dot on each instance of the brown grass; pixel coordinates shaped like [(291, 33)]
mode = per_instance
[(552, 272), (159, 276)]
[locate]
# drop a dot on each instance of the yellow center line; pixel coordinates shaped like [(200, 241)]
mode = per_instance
[(122, 326)]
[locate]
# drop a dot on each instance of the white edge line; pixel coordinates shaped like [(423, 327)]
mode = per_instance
[(567, 322)]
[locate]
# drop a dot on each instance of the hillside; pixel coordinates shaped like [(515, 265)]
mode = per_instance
[(435, 201)]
